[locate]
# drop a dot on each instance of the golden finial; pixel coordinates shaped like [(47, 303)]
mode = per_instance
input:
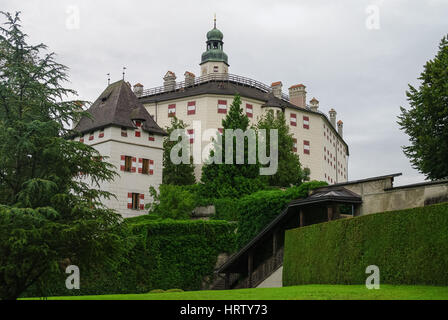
[(215, 20)]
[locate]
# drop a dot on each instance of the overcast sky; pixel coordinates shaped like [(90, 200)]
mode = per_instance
[(354, 56)]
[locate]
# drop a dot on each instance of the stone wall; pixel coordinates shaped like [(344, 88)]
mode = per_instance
[(380, 195)]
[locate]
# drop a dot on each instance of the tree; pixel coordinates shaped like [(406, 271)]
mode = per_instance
[(426, 122), (176, 174), (48, 211), (289, 170), (231, 180), (172, 202)]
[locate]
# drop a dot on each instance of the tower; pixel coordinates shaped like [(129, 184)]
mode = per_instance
[(127, 137), (214, 60)]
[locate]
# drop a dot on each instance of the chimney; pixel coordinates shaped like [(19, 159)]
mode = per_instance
[(277, 89), (340, 127), (189, 79), (138, 89), (314, 104), (297, 95), (333, 118), (169, 81)]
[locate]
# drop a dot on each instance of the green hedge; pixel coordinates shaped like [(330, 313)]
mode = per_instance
[(259, 209), (409, 247), (163, 254)]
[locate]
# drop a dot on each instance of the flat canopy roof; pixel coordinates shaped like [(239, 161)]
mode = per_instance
[(340, 195)]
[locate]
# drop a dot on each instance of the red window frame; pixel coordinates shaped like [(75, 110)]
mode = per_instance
[(191, 111), (306, 122), (293, 116), (170, 112), (249, 110), (306, 143), (222, 110)]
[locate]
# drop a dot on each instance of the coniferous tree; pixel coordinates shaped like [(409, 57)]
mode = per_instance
[(426, 122), (289, 170), (232, 180), (48, 211), (176, 174)]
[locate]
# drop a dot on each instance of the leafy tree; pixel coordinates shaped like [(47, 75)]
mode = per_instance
[(426, 122), (289, 170), (49, 213), (172, 202), (176, 174), (231, 180)]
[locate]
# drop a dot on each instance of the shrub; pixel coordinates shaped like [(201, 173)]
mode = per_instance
[(164, 254), (172, 202), (157, 291), (226, 209), (409, 247), (174, 290)]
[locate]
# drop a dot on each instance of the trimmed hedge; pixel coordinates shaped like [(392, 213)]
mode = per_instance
[(409, 247), (163, 254)]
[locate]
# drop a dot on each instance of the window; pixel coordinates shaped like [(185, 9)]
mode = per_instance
[(81, 139), (171, 110), (294, 147), (293, 119), (91, 136), (124, 132), (146, 166), (151, 138), (249, 110), (216, 69), (128, 164), (143, 166), (222, 106), (191, 135), (136, 201), (101, 135), (306, 147), (306, 122), (191, 108)]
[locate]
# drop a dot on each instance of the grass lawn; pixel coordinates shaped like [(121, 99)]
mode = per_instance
[(307, 292)]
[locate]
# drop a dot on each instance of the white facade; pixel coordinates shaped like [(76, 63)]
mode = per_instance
[(319, 146), (113, 145)]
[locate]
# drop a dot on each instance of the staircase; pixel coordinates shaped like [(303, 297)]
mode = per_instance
[(261, 273)]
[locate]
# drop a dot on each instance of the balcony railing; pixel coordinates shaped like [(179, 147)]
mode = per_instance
[(215, 77)]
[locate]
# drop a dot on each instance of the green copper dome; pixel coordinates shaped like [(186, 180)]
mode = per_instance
[(215, 34), (215, 47), (214, 55)]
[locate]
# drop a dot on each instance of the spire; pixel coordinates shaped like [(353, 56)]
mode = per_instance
[(215, 20)]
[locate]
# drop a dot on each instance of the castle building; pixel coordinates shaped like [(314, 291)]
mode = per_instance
[(318, 138), (126, 136)]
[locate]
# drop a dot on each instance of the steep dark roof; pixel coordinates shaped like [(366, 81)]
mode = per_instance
[(220, 87), (117, 106)]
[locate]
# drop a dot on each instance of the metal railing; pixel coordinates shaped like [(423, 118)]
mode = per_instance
[(215, 77)]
